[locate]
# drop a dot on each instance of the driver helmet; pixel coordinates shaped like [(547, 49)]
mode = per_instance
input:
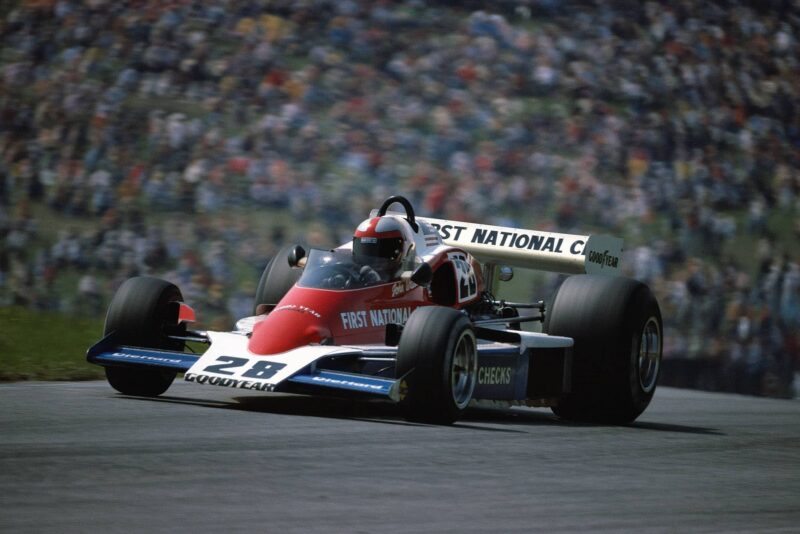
[(382, 242)]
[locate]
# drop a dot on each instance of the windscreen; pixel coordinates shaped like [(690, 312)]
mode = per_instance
[(336, 269)]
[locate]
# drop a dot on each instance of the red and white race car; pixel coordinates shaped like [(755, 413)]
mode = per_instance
[(405, 312)]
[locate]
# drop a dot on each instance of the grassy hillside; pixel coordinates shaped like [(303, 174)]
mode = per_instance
[(46, 346)]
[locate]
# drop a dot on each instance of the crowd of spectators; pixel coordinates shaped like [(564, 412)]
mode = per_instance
[(165, 129)]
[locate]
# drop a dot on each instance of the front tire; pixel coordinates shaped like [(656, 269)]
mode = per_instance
[(618, 332), (276, 280), (438, 356), (141, 314)]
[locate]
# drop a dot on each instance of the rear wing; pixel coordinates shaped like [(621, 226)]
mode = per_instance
[(529, 249)]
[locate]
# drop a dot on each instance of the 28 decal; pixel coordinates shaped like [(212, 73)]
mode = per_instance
[(260, 370), (231, 362), (465, 276), (263, 370)]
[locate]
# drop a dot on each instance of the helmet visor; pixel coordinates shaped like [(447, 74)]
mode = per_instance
[(388, 248)]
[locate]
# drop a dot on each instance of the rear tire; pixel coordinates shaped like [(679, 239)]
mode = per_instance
[(141, 314), (438, 356), (618, 332), (276, 280)]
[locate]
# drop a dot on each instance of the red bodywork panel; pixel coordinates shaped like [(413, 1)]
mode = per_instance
[(359, 316), (186, 313), (349, 317)]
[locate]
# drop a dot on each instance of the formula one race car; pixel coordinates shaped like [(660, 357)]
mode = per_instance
[(405, 312)]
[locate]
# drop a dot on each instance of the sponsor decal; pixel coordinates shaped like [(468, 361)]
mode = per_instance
[(389, 316), (354, 319), (297, 308), (522, 241), (362, 319), (449, 230), (146, 358), (227, 382), (349, 383), (494, 375), (398, 288), (509, 238), (603, 259), (573, 248)]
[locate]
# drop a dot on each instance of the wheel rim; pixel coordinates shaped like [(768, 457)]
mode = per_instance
[(649, 355), (464, 369)]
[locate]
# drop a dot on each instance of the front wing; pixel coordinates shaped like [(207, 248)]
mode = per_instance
[(227, 363), (512, 366)]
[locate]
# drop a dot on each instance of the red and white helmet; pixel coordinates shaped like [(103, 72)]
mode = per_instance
[(385, 240)]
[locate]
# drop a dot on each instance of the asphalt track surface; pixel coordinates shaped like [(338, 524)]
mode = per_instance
[(76, 457)]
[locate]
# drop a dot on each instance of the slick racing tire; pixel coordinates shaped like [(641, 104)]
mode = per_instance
[(141, 314), (618, 333), (437, 358), (276, 280)]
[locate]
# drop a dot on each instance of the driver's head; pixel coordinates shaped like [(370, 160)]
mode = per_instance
[(381, 240)]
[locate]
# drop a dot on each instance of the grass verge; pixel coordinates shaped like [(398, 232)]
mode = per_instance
[(46, 346)]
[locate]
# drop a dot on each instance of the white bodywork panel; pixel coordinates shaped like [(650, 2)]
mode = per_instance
[(534, 340), (228, 362)]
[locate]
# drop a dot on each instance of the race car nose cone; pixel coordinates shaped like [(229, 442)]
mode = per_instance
[(287, 328)]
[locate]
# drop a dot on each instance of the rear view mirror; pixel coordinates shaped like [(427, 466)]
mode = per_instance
[(422, 275), (296, 254)]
